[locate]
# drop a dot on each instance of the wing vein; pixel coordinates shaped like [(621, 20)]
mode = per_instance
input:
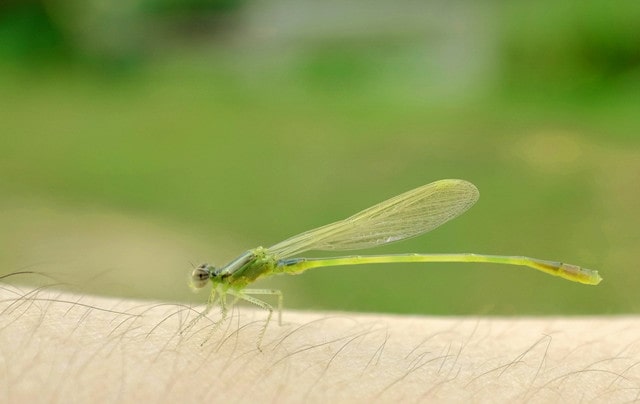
[(407, 215)]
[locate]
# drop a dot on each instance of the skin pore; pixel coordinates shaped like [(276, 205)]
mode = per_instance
[(59, 346)]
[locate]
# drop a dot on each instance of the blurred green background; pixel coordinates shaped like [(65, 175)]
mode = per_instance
[(139, 138)]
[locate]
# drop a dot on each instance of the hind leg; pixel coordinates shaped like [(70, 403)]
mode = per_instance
[(246, 296)]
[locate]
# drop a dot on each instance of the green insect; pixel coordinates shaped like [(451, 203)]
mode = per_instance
[(407, 215)]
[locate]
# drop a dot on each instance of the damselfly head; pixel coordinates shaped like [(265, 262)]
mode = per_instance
[(201, 275)]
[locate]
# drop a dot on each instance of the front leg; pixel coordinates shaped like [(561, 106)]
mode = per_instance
[(213, 296)]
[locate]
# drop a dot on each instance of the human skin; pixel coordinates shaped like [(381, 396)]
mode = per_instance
[(63, 347)]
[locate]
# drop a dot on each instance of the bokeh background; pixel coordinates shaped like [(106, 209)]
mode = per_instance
[(139, 138)]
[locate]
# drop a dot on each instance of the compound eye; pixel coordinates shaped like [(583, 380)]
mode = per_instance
[(200, 276)]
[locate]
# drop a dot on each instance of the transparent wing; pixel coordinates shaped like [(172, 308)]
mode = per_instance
[(407, 215)]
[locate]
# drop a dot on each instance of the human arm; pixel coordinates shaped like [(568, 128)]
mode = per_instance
[(57, 346)]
